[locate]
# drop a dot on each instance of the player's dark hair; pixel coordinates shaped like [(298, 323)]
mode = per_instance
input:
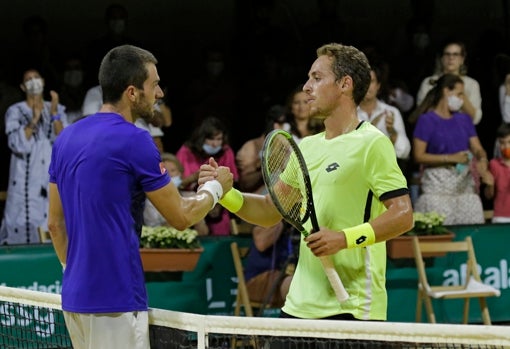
[(348, 60), (121, 67)]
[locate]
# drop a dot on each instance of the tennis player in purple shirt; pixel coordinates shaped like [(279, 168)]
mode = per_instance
[(102, 167)]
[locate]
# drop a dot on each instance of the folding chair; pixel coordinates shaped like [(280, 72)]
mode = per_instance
[(242, 298), (44, 235), (473, 287), (240, 227)]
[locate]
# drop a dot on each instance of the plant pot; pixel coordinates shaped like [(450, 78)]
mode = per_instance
[(169, 259), (402, 246)]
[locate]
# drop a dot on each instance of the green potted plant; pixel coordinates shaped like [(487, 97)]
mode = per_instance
[(165, 248), (427, 226)]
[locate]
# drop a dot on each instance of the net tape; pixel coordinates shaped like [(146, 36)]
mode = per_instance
[(200, 330)]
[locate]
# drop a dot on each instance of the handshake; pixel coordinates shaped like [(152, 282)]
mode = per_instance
[(214, 179)]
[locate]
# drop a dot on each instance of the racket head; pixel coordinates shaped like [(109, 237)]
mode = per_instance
[(292, 196)]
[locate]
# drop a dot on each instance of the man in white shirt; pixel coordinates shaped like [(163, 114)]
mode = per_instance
[(385, 117)]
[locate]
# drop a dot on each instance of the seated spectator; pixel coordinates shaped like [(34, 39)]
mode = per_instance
[(385, 117), (453, 56), (498, 185), (268, 270), (445, 142), (210, 139), (151, 215), (249, 156)]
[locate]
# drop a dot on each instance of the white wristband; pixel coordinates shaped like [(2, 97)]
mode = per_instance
[(214, 188)]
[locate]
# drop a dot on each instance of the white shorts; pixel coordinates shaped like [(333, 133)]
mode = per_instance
[(108, 330)]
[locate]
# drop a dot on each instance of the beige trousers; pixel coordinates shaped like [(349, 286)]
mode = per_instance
[(108, 330)]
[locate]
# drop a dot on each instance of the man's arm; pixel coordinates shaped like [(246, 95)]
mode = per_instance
[(396, 220), (56, 224), (183, 212)]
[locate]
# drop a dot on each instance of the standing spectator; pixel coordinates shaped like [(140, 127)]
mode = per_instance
[(445, 142), (116, 18), (385, 117), (452, 61), (31, 127), (102, 168), (498, 185), (36, 51), (72, 88), (162, 115), (210, 139)]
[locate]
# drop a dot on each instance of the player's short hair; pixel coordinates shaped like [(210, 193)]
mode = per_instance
[(348, 60), (121, 67)]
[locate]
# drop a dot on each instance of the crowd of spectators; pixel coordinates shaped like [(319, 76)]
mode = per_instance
[(238, 103)]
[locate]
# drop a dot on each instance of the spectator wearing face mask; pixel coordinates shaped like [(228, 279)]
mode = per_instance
[(453, 160), (72, 88), (116, 34), (31, 127), (210, 139), (498, 182), (452, 60)]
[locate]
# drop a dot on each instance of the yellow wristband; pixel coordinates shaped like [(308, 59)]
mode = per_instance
[(233, 200), (359, 236)]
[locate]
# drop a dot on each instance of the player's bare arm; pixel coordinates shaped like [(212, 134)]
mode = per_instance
[(183, 212), (397, 220), (256, 209)]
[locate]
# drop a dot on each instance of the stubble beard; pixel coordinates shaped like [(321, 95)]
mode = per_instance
[(143, 110)]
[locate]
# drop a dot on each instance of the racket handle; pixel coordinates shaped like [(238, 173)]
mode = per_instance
[(334, 279)]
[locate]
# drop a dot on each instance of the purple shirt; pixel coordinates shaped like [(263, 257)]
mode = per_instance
[(445, 136), (102, 166)]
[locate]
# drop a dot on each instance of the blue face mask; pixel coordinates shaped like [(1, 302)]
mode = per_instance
[(177, 180), (210, 150)]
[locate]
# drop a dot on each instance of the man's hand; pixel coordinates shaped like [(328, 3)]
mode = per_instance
[(326, 242), (222, 174), (208, 171), (54, 102)]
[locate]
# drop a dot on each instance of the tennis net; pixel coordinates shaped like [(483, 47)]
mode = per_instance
[(31, 319)]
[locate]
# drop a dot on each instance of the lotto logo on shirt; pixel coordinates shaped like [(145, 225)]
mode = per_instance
[(162, 168)]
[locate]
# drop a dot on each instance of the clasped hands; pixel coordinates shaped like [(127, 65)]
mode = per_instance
[(211, 171)]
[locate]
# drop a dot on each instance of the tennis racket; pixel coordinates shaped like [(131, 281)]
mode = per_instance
[(288, 183)]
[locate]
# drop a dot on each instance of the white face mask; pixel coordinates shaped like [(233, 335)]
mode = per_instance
[(210, 150), (34, 86), (177, 180), (454, 103)]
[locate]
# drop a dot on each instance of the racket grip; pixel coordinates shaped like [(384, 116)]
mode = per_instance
[(334, 279)]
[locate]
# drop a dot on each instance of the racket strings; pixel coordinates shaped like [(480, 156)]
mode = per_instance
[(289, 198)]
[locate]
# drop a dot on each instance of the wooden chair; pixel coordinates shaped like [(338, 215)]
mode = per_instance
[(473, 287), (44, 235), (240, 227), (242, 298)]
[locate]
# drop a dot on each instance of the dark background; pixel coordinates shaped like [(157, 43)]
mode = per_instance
[(268, 47)]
